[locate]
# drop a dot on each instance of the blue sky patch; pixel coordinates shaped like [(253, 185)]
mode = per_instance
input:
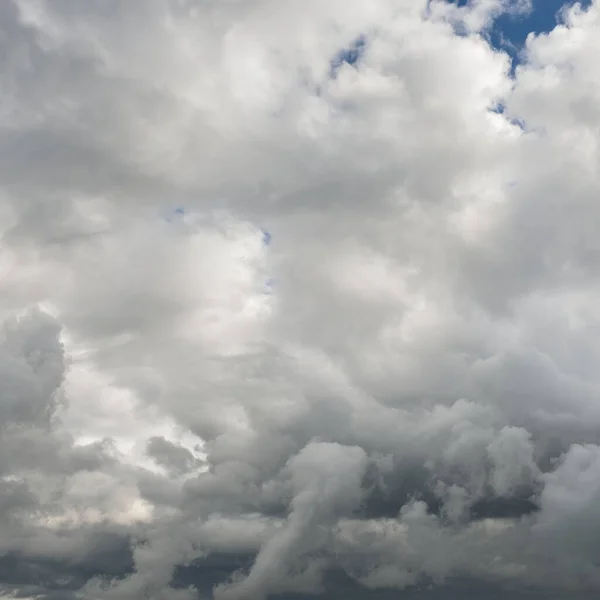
[(268, 286), (511, 30), (349, 55), (267, 237), (174, 213)]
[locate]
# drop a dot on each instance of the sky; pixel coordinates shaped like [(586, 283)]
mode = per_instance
[(298, 300), (509, 30)]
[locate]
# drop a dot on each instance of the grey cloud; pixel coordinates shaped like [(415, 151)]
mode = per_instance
[(171, 456), (410, 410), (326, 480), (33, 365)]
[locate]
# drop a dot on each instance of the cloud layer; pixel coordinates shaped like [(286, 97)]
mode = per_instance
[(299, 298)]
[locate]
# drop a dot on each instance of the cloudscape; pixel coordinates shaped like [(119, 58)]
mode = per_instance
[(299, 299)]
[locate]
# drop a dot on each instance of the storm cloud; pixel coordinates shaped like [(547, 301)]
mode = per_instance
[(298, 299)]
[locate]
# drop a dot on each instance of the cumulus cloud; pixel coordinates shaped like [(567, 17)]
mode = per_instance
[(299, 298)]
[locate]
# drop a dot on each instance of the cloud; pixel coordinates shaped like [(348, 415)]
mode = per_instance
[(413, 404), (326, 480)]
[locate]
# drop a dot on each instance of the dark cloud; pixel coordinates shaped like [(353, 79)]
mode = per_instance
[(173, 457)]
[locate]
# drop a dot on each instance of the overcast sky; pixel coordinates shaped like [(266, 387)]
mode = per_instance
[(300, 300)]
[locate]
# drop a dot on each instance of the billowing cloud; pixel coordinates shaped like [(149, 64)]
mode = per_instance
[(298, 299)]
